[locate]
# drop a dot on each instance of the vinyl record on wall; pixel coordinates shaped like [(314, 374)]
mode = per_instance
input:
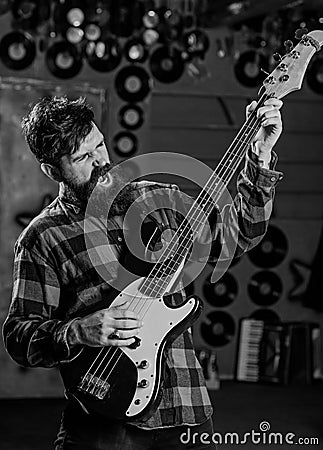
[(271, 251), (131, 116), (132, 83), (125, 144), (135, 51), (104, 56), (64, 60), (167, 65), (218, 328), (17, 50), (314, 75), (247, 68), (265, 288), (221, 293), (267, 315)]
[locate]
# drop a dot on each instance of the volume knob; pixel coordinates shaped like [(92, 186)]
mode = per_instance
[(144, 364), (143, 383)]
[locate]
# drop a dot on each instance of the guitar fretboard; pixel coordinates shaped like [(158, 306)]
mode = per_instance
[(173, 256)]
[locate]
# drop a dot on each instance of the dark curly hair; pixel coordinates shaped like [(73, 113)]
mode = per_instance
[(56, 126)]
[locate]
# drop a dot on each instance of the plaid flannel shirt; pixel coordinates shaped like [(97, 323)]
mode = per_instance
[(54, 280)]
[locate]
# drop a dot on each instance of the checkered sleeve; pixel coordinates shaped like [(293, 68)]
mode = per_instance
[(33, 336), (240, 225)]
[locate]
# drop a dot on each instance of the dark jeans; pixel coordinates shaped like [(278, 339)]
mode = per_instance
[(83, 432)]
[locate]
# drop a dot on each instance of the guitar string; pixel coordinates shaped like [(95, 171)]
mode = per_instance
[(227, 168)]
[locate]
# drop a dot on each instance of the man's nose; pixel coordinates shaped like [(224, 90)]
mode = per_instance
[(100, 159)]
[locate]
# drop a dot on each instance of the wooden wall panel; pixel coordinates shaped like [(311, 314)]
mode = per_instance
[(216, 109), (209, 143)]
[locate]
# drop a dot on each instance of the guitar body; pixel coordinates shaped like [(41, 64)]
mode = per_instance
[(132, 389)]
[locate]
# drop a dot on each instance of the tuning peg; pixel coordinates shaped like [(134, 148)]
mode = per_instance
[(277, 57), (288, 45), (299, 33)]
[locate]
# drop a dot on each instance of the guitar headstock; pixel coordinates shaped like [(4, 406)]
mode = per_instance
[(288, 75)]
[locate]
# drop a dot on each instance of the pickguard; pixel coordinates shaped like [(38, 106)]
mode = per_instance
[(159, 321)]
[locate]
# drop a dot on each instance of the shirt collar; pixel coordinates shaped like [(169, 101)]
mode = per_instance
[(70, 200)]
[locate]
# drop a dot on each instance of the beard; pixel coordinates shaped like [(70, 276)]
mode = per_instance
[(108, 199)]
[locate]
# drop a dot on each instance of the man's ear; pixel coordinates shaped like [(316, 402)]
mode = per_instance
[(52, 172)]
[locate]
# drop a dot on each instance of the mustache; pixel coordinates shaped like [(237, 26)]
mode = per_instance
[(100, 172)]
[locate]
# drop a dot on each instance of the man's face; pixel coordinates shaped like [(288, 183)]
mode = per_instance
[(81, 170), (86, 171)]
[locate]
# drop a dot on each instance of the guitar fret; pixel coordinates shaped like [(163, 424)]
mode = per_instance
[(242, 141)]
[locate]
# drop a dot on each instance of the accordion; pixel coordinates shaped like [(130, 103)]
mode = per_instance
[(282, 352)]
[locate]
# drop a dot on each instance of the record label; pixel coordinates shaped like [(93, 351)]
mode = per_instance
[(223, 292), (265, 288), (166, 65)]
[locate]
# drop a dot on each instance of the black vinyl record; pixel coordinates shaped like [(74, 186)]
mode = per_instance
[(135, 51), (64, 60), (265, 288), (131, 116), (314, 75), (271, 251), (17, 50), (138, 77), (218, 328), (266, 315), (221, 293), (110, 59), (125, 144), (247, 68), (167, 65)]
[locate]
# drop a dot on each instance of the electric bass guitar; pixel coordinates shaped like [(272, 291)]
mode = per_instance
[(125, 383)]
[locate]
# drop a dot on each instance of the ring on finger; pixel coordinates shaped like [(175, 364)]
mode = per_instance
[(114, 335)]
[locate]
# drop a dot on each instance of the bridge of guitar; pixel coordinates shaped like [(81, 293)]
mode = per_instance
[(94, 386)]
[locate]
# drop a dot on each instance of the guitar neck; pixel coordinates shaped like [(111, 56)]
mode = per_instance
[(166, 269)]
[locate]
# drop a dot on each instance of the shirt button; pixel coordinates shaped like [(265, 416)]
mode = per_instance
[(119, 238), (273, 179)]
